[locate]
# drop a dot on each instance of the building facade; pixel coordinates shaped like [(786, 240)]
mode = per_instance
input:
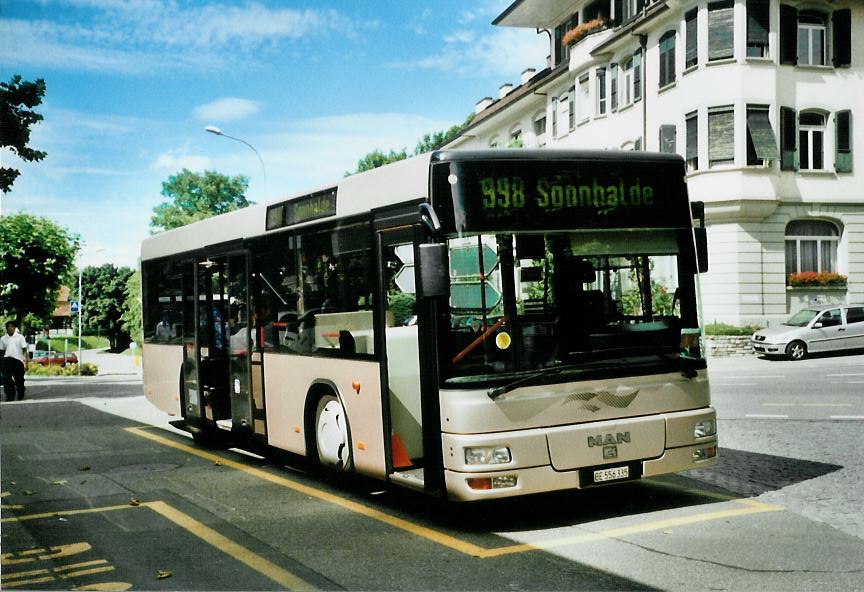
[(760, 98)]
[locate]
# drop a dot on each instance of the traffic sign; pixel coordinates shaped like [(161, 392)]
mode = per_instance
[(467, 296), (73, 306), (465, 261)]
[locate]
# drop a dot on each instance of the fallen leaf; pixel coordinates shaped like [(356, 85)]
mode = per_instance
[(162, 574), (63, 482), (85, 468), (217, 464), (134, 502), (28, 492)]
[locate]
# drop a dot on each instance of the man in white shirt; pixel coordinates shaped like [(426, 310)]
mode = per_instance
[(14, 348)]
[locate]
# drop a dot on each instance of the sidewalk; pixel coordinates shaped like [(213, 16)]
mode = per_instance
[(112, 364)]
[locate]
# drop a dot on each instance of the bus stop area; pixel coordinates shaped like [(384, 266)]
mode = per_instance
[(95, 501)]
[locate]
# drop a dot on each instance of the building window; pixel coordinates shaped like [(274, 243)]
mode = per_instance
[(667, 58), (692, 154), (601, 91), (571, 108), (757, 28), (493, 143), (691, 57), (515, 138), (805, 35), (554, 117), (637, 75), (540, 128), (627, 83), (667, 139), (613, 86), (720, 30), (562, 52), (812, 30), (721, 135), (761, 141), (811, 140), (811, 245)]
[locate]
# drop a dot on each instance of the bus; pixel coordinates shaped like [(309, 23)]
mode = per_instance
[(470, 324)]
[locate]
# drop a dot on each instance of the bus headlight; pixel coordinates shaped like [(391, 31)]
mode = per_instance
[(487, 455), (706, 427)]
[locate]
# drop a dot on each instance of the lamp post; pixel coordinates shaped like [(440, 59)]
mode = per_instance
[(218, 132), (81, 307)]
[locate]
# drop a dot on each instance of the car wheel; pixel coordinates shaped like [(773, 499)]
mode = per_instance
[(796, 350)]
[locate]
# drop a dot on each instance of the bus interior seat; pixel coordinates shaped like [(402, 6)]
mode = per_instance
[(347, 343)]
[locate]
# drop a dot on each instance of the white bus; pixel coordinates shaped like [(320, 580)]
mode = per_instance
[(472, 324)]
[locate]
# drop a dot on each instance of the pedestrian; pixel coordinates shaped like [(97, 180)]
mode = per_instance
[(14, 348)]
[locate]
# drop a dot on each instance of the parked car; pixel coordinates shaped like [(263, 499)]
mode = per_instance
[(54, 358), (830, 327)]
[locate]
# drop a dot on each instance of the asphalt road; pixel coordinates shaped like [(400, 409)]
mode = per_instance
[(96, 497)]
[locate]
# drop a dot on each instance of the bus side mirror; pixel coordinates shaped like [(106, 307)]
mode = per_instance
[(434, 270), (701, 236)]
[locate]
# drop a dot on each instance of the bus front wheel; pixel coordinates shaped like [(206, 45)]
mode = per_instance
[(332, 438)]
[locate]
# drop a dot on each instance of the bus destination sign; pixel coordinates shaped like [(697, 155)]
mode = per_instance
[(516, 195), (320, 204)]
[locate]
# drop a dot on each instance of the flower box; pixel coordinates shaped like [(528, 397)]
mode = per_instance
[(813, 279), (579, 32)]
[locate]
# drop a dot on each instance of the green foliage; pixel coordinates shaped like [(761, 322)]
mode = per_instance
[(87, 369), (36, 258), (58, 343), (196, 196), (17, 99), (724, 329), (401, 305), (376, 159), (103, 302), (427, 143), (661, 300), (132, 318)]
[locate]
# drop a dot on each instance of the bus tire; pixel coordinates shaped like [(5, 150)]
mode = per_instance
[(797, 350), (332, 447)]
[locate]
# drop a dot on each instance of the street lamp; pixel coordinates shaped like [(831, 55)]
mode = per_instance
[(81, 307), (218, 132)]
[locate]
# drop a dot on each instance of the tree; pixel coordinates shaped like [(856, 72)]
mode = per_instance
[(103, 302), (36, 257), (132, 318), (17, 98), (196, 196), (427, 143)]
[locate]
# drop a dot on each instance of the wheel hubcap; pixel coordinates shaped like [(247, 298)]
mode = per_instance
[(331, 433)]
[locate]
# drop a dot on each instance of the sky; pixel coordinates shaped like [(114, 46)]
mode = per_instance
[(313, 85)]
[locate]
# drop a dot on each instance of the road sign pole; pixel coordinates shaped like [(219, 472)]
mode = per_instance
[(80, 302)]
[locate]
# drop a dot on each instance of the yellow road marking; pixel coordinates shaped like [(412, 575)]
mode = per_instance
[(82, 564), (5, 493), (11, 507), (86, 572), (451, 542), (271, 570), (268, 569), (22, 574), (28, 582)]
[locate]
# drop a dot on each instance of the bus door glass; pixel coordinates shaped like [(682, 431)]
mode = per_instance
[(190, 387), (239, 340), (212, 315), (402, 352)]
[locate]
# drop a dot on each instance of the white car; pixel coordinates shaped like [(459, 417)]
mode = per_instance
[(830, 327)]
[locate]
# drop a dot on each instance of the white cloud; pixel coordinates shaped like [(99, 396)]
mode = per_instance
[(175, 160), (501, 52), (227, 109)]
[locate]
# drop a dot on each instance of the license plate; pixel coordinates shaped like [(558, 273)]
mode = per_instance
[(612, 474)]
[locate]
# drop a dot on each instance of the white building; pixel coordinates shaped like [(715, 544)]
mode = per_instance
[(759, 96)]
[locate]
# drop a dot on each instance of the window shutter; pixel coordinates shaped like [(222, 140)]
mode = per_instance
[(843, 156), (720, 30), (667, 139), (757, 21), (788, 35), (692, 54), (613, 86), (842, 21), (637, 75), (692, 137), (619, 12), (788, 139), (640, 4), (761, 134), (721, 135)]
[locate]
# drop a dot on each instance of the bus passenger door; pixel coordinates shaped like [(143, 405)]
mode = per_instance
[(190, 389), (239, 345), (401, 372)]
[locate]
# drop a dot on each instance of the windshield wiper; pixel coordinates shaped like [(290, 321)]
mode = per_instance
[(497, 391)]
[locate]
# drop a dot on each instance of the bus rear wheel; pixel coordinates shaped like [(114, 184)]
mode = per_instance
[(332, 437), (797, 350)]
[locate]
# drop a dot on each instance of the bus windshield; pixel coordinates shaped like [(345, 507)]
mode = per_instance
[(576, 301)]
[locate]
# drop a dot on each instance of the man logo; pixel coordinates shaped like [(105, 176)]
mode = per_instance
[(609, 439)]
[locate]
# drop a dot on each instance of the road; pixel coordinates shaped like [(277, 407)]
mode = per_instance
[(96, 497)]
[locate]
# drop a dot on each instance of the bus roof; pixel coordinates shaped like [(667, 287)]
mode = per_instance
[(402, 181)]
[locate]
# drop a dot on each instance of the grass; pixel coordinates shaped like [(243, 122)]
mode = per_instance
[(87, 342), (724, 329)]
